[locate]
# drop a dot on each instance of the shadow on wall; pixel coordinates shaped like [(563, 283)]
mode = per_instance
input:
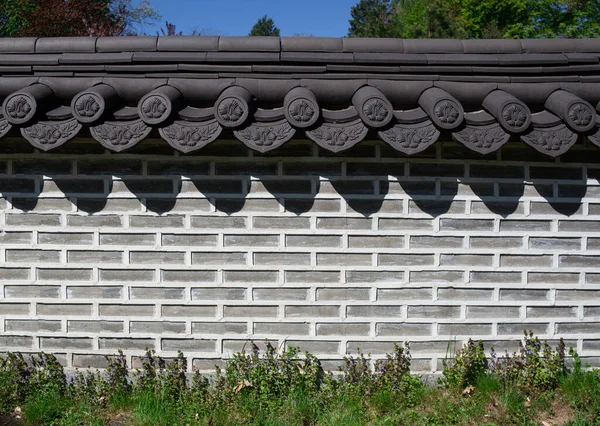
[(297, 179), (433, 197)]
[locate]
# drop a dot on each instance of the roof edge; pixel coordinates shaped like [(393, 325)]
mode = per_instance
[(293, 44)]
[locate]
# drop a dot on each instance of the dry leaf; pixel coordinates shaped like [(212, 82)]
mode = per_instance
[(468, 390), (241, 385)]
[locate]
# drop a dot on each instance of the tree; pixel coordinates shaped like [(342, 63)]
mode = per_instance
[(265, 26), (52, 18), (425, 19), (373, 18), (12, 16), (530, 18), (475, 18)]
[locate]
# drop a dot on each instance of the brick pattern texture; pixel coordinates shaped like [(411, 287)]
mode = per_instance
[(202, 253)]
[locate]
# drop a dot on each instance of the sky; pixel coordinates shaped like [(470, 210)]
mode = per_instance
[(325, 18)]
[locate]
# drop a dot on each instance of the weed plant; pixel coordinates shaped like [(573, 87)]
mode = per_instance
[(529, 387)]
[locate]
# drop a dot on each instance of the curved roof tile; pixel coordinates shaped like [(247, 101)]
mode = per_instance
[(268, 89)]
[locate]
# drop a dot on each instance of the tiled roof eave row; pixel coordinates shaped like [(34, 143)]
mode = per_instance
[(268, 89), (293, 44)]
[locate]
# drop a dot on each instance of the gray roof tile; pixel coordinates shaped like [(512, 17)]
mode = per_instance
[(249, 44), (126, 44), (433, 46), (188, 44), (22, 59), (492, 46), (533, 59), (97, 58), (548, 45), (169, 57), (17, 45), (378, 45), (318, 57), (66, 44), (311, 44), (242, 57), (389, 58)]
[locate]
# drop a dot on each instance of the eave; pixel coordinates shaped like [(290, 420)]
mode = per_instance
[(268, 90)]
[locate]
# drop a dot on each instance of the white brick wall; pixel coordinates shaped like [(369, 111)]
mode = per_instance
[(202, 253)]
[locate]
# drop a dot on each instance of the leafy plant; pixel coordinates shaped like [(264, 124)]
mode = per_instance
[(534, 369), (466, 366), (15, 374), (270, 376)]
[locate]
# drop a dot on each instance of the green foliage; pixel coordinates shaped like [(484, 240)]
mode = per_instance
[(581, 389), (52, 18), (389, 380), (530, 18), (425, 19), (286, 387), (166, 379), (534, 369), (14, 382), (372, 18), (12, 16), (265, 26), (466, 366), (475, 18), (270, 376)]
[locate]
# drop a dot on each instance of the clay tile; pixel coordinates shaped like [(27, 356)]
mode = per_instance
[(433, 46), (470, 94), (249, 44), (21, 59), (319, 57), (468, 59), (492, 46), (533, 59), (373, 45), (185, 57), (237, 57), (411, 116), (533, 95), (559, 45), (577, 113), (95, 58), (126, 44), (389, 58), (588, 91), (479, 118), (188, 44), (311, 44), (545, 119), (585, 45), (66, 44), (581, 58), (17, 45)]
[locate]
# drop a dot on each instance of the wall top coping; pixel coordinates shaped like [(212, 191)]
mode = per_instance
[(266, 90), (293, 44)]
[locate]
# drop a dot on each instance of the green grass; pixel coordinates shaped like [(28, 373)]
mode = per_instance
[(289, 389), (485, 404)]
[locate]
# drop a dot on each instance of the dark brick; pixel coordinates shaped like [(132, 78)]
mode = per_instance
[(256, 168), (109, 167), (489, 171), (187, 168), (555, 173), (80, 186), (445, 170), (17, 185), (44, 167), (219, 186)]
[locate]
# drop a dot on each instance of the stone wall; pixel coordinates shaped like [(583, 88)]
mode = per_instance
[(100, 252)]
